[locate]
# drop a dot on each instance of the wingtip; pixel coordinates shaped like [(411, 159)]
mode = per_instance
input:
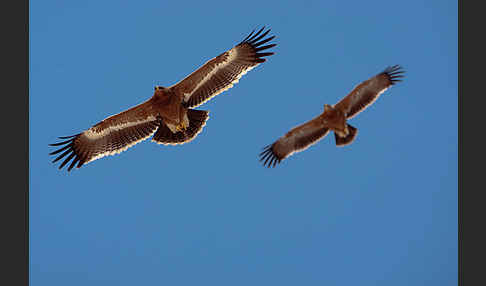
[(256, 41), (394, 69), (67, 150), (269, 158), (394, 73), (67, 137), (253, 37)]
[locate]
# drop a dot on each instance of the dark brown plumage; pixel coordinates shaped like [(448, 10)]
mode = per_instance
[(333, 118), (167, 115)]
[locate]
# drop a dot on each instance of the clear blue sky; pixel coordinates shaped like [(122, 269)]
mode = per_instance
[(382, 211)]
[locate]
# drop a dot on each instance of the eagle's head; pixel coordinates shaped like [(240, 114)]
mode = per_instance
[(161, 91)]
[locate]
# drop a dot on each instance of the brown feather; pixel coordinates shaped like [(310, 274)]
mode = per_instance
[(221, 72), (197, 120), (368, 91), (348, 139), (110, 136), (296, 140)]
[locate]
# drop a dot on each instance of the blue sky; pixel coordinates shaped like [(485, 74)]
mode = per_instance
[(382, 211)]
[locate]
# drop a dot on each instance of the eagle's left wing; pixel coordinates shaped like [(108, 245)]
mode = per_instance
[(368, 91), (221, 72), (296, 140)]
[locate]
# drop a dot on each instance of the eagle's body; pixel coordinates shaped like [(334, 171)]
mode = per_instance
[(168, 103), (168, 115), (333, 118)]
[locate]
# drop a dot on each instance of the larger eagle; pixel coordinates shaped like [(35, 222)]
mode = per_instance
[(333, 118), (168, 115)]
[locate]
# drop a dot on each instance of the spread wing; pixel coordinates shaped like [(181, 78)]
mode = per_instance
[(368, 91), (296, 140), (108, 137), (221, 72)]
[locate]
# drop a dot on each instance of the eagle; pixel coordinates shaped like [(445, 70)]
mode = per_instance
[(169, 115), (332, 118)]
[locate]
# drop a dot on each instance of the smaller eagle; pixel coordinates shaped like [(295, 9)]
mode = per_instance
[(333, 118), (168, 115)]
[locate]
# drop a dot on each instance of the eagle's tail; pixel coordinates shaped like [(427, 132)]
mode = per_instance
[(343, 141), (197, 120)]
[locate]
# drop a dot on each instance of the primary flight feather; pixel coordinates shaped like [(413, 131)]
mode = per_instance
[(168, 114), (333, 118)]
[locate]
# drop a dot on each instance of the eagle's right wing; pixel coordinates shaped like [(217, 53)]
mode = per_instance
[(296, 140), (109, 137)]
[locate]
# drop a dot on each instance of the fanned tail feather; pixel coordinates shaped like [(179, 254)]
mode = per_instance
[(197, 120), (343, 141)]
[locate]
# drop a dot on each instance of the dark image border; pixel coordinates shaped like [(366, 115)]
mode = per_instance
[(15, 143)]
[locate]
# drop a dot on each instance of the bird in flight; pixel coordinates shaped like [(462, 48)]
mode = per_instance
[(168, 115), (333, 118)]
